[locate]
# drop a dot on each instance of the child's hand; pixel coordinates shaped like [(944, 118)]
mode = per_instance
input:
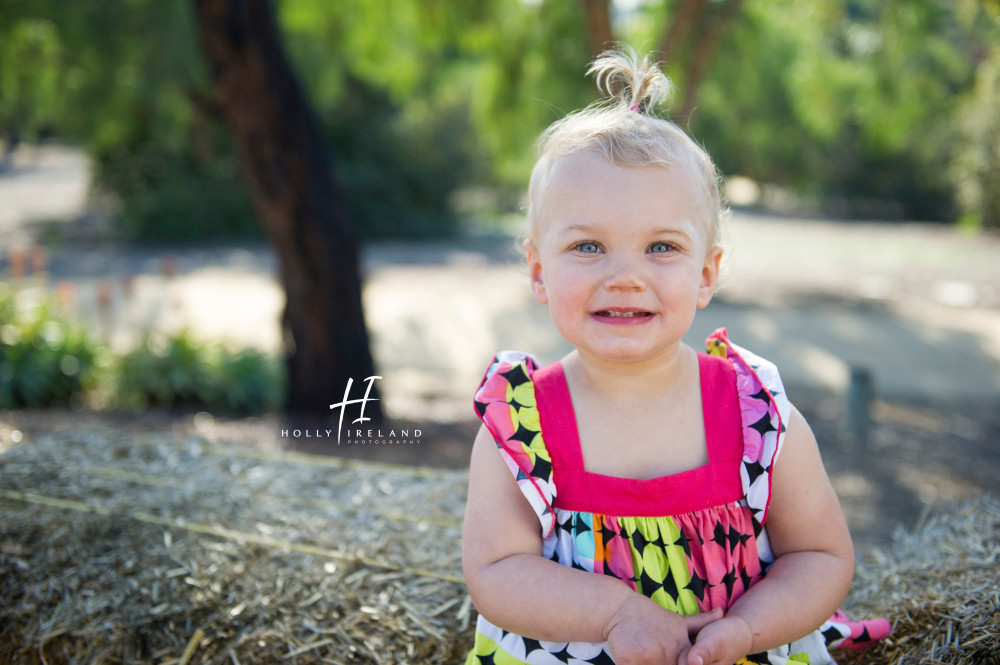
[(642, 632), (722, 642)]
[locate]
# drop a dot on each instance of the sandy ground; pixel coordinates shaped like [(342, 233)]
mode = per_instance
[(917, 306)]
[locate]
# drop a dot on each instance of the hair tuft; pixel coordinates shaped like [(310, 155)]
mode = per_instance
[(630, 80)]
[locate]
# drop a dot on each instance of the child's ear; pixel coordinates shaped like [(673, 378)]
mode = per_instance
[(535, 272), (709, 277)]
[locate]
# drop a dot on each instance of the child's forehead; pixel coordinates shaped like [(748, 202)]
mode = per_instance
[(594, 174), (575, 168), (588, 187), (585, 182)]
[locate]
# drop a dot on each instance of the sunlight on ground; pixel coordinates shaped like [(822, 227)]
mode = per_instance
[(241, 308)]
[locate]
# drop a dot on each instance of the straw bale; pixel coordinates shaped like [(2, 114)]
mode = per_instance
[(940, 586), (118, 547), (125, 548)]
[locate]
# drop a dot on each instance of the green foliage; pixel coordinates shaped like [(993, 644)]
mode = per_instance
[(745, 116), (975, 166), (850, 101), (169, 194), (393, 98), (122, 70), (47, 360), (886, 105), (29, 78), (397, 168), (178, 371), (531, 57), (44, 359), (135, 91)]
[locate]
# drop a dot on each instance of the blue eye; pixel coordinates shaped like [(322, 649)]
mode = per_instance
[(660, 247), (587, 247)]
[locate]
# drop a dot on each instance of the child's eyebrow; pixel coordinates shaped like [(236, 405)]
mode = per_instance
[(579, 226), (672, 231), (658, 231)]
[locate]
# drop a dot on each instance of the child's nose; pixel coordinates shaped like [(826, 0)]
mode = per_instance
[(625, 274)]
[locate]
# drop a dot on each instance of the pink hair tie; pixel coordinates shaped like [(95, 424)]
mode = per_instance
[(635, 107)]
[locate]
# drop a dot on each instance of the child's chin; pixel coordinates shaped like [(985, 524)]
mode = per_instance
[(625, 353)]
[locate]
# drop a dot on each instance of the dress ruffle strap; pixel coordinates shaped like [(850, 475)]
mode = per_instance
[(765, 410), (505, 402)]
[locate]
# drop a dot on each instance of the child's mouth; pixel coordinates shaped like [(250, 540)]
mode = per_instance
[(623, 316)]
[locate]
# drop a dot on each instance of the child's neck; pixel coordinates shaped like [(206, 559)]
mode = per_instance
[(629, 382), (638, 421)]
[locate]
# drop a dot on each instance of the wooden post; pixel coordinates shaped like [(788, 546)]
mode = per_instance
[(860, 393)]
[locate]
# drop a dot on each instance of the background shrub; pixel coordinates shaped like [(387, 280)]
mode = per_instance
[(45, 360), (170, 194), (48, 360), (178, 371)]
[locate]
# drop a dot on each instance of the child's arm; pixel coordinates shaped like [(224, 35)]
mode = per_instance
[(515, 588), (813, 567)]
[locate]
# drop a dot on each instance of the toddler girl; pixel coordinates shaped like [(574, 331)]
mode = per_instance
[(626, 504)]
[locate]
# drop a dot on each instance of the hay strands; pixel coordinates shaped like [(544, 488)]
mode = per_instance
[(227, 534), (938, 585), (117, 548), (191, 647), (174, 483)]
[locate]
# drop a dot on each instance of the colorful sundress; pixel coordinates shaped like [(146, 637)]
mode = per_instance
[(691, 541)]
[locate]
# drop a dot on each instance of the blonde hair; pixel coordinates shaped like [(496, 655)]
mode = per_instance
[(625, 129)]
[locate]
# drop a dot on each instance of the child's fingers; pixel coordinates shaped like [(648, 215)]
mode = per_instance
[(702, 654), (695, 622), (696, 656), (721, 643)]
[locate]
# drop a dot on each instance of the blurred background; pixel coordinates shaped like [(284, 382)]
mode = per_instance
[(218, 215), (157, 200)]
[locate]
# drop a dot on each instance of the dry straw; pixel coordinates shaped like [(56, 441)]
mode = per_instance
[(125, 548), (122, 548), (940, 586)]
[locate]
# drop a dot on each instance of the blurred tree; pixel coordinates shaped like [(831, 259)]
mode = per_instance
[(849, 102), (128, 84), (124, 82), (693, 36), (392, 81), (600, 34), (542, 49), (866, 101), (529, 61), (975, 168), (296, 198), (29, 74)]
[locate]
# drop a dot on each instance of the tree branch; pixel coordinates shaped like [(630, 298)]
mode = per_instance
[(704, 54), (688, 13)]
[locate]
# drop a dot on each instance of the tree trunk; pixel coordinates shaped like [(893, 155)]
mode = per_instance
[(296, 200), (686, 15), (599, 33), (704, 54)]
